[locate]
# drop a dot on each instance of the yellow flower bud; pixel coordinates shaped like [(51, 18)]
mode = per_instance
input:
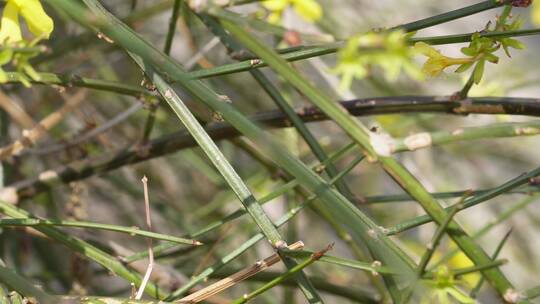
[(39, 23), (309, 10), (437, 62)]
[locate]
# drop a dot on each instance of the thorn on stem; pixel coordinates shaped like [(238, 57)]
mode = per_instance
[(320, 254)]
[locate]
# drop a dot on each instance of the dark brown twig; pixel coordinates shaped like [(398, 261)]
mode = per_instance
[(277, 119)]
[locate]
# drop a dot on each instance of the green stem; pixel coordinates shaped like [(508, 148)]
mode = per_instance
[(330, 48), (494, 256), (439, 233), (82, 82), (506, 214), (473, 201), (85, 249), (449, 16), (21, 285), (468, 270), (32, 222), (357, 294), (290, 273), (172, 26), (233, 179)]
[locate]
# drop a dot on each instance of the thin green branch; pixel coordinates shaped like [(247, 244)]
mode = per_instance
[(227, 171), (305, 52), (449, 16), (494, 256), (82, 82), (374, 268), (85, 249), (506, 214), (172, 26), (358, 294), (470, 202), (434, 243), (32, 222), (426, 139), (399, 198), (21, 285), (290, 273), (468, 270)]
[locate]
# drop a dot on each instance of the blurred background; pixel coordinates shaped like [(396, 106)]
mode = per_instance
[(187, 193)]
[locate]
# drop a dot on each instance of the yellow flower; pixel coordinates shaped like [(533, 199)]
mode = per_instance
[(536, 12), (310, 10), (437, 62), (444, 289), (39, 23), (387, 51)]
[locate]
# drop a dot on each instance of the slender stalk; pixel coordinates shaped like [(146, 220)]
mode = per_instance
[(468, 270), (21, 285), (449, 16), (473, 201), (151, 118), (494, 256), (506, 214), (434, 243), (172, 26), (306, 52), (425, 139), (83, 82), (371, 267), (399, 198), (85, 249), (33, 222), (314, 257)]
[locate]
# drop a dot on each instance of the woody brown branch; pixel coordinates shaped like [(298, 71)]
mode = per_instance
[(275, 119)]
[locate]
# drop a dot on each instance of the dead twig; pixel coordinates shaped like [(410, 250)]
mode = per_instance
[(149, 241), (30, 136), (236, 278)]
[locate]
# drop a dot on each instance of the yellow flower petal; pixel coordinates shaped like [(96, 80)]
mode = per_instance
[(426, 49), (39, 23), (10, 31), (308, 9), (275, 5), (536, 12), (274, 17)]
